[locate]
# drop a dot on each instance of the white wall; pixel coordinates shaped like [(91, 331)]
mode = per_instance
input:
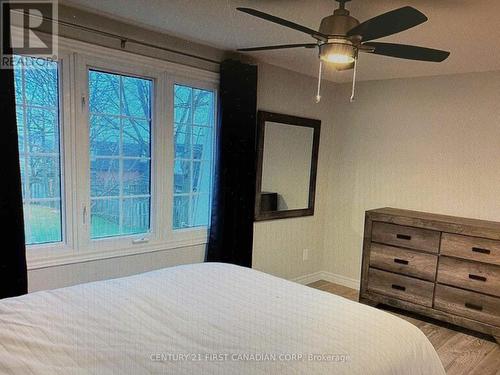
[(71, 274), (428, 144), (278, 244)]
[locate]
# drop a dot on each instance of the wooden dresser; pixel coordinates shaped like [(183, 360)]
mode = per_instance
[(444, 267)]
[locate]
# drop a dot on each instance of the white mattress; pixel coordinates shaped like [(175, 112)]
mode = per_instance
[(205, 319)]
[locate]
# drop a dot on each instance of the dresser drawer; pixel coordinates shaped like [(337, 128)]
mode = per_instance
[(413, 238), (403, 261), (401, 287), (476, 276), (469, 304), (474, 248)]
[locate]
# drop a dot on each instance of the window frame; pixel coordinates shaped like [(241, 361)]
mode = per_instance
[(75, 57), (65, 160), (183, 233), (84, 65)]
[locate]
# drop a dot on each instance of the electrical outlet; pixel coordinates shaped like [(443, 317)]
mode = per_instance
[(305, 254)]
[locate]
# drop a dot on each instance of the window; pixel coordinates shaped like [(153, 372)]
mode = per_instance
[(120, 154), (116, 153), (37, 109), (193, 149)]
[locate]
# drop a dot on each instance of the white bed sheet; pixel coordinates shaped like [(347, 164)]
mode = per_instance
[(207, 318)]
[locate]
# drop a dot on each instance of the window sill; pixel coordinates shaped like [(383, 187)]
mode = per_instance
[(65, 257)]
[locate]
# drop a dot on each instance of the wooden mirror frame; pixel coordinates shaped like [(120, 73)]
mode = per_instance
[(262, 118)]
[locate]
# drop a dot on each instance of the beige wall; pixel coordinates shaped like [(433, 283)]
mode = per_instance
[(430, 144), (278, 244), (71, 274)]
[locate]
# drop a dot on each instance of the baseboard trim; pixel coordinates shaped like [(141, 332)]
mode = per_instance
[(308, 279), (340, 279), (328, 276)]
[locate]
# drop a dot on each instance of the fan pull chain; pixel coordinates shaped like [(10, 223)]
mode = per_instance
[(318, 95), (353, 91)]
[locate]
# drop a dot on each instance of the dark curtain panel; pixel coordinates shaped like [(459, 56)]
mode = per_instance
[(13, 274), (231, 230)]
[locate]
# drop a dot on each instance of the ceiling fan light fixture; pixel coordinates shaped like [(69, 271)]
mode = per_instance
[(337, 54), (341, 37)]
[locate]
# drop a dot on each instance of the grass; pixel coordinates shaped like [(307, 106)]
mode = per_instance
[(45, 226)]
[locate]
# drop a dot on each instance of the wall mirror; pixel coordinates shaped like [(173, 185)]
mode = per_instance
[(287, 161)]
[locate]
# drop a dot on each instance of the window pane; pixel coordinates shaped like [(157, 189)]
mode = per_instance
[(193, 143), (182, 104), (203, 107), (136, 177), (42, 130), (43, 176), (136, 97), (41, 87), (37, 114), (182, 136), (104, 135), (120, 147), (104, 177), (45, 221), (104, 217), (136, 215), (20, 126), (104, 93), (136, 140), (182, 176), (201, 177), (202, 143), (181, 212), (200, 209)]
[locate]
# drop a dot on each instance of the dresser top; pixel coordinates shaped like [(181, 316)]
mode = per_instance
[(445, 223)]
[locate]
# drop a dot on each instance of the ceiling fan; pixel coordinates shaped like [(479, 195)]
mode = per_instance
[(341, 37)]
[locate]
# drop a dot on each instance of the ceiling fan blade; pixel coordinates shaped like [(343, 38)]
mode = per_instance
[(280, 21), (281, 46), (404, 51), (389, 23)]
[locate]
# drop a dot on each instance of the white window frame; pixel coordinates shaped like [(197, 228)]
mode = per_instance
[(75, 59), (66, 162), (185, 233), (85, 64)]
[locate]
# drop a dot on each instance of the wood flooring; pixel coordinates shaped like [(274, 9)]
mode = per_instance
[(462, 352)]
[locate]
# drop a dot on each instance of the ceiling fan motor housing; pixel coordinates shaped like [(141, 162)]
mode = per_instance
[(338, 24)]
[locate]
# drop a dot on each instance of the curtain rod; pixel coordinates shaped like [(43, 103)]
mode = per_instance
[(125, 40)]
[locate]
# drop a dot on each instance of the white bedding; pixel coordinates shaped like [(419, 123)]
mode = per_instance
[(207, 318)]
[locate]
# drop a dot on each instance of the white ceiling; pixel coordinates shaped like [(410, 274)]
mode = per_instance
[(470, 29)]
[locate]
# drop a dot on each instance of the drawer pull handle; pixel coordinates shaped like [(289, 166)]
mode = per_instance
[(398, 287), (403, 237), (476, 277), (482, 251), (400, 261), (473, 306)]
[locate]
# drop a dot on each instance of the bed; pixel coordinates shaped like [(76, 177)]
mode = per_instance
[(209, 318)]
